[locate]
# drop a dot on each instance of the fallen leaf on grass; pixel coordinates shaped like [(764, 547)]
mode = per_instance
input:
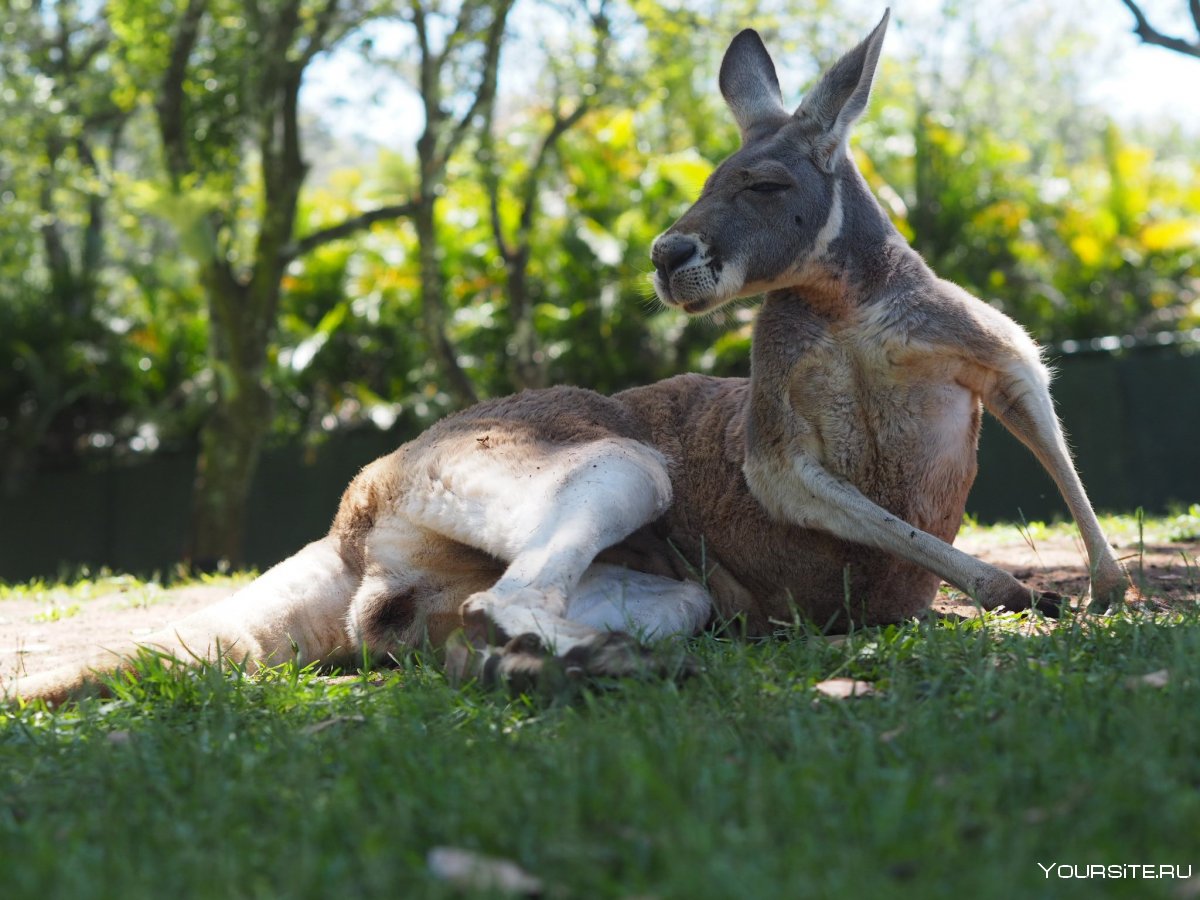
[(845, 688), (1159, 679), (468, 870)]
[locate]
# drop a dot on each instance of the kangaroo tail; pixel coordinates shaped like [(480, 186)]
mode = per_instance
[(295, 610)]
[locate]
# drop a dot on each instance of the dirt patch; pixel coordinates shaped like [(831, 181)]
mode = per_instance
[(36, 638), (40, 634), (1167, 572)]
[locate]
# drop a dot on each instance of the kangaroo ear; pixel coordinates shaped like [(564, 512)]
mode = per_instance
[(841, 96), (750, 86)]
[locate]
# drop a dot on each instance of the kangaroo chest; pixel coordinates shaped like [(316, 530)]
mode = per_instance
[(759, 565), (889, 422)]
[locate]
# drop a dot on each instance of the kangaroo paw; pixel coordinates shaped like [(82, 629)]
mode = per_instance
[(1050, 604), (524, 664), (518, 664), (615, 654), (1018, 598)]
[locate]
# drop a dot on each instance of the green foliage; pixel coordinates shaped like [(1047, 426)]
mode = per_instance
[(96, 331), (1013, 185), (983, 149), (1185, 526), (1104, 246)]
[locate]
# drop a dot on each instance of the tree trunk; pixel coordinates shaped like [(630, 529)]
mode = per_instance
[(922, 214), (230, 445), (528, 362), (433, 306), (231, 439), (242, 320)]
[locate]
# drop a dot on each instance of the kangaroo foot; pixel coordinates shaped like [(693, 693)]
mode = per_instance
[(524, 664)]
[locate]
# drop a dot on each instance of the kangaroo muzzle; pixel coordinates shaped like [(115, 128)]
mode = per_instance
[(688, 275), (672, 252)]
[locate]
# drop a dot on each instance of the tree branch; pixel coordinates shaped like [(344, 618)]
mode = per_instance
[(57, 258), (486, 91), (255, 14), (422, 29), (491, 184), (1151, 35), (174, 129), (287, 25), (89, 52), (463, 25), (171, 113), (560, 126), (321, 26), (349, 227)]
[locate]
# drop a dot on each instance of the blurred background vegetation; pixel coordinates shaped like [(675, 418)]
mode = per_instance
[(231, 224)]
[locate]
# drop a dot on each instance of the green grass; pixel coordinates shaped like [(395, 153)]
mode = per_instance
[(85, 584), (1181, 525), (990, 746)]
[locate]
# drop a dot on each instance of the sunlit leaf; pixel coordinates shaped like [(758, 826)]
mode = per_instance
[(1089, 250), (1174, 234), (686, 171)]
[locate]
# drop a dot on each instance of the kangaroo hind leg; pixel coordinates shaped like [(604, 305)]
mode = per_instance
[(295, 610), (582, 501), (413, 583), (546, 514), (613, 613)]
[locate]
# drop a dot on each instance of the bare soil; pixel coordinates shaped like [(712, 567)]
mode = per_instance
[(1166, 574), (34, 639)]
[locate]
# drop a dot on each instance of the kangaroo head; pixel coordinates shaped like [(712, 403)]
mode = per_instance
[(767, 215)]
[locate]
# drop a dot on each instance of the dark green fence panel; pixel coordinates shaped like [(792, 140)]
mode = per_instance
[(135, 517), (129, 518), (1133, 423), (296, 492), (1133, 420)]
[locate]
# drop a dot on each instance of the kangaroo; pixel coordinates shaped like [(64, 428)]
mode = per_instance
[(562, 527)]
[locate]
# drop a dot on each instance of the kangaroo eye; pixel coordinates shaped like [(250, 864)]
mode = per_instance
[(768, 187)]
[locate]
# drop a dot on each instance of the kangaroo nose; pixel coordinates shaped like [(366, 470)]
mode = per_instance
[(672, 251)]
